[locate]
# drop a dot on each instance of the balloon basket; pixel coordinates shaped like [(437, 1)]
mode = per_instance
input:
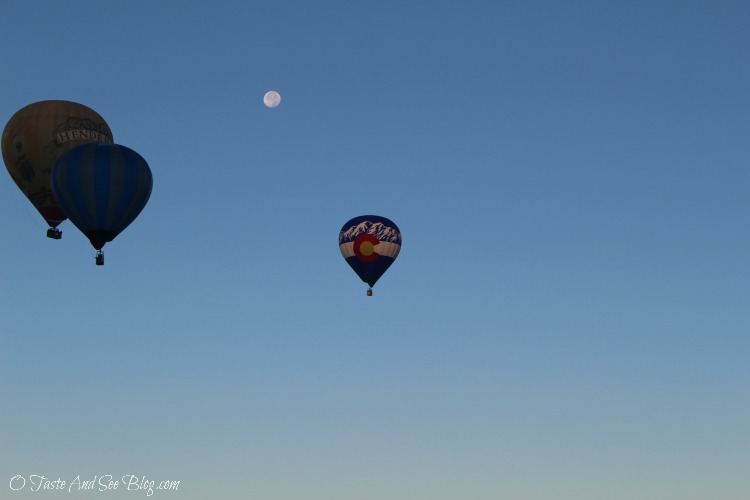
[(369, 292), (99, 258), (54, 233)]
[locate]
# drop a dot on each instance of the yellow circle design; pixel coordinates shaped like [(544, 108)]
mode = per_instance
[(366, 248)]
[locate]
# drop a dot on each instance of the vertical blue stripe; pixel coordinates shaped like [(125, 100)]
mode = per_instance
[(128, 188), (86, 168), (102, 177), (72, 185), (117, 178), (62, 195), (142, 191)]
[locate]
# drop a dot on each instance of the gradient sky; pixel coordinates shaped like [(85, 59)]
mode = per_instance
[(568, 317)]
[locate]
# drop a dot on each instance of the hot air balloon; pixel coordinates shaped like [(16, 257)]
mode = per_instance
[(34, 139), (370, 244), (101, 188)]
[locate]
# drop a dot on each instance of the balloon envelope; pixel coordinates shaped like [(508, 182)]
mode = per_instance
[(102, 188), (34, 139), (370, 244)]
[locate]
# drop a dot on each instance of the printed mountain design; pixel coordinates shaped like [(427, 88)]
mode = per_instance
[(380, 230)]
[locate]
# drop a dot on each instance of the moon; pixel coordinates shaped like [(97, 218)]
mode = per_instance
[(271, 99)]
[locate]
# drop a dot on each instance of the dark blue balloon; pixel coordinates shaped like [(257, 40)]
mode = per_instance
[(101, 188), (370, 244)]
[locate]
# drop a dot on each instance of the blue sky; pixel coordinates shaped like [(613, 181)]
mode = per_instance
[(568, 315)]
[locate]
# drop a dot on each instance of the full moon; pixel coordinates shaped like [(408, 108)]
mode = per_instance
[(271, 99)]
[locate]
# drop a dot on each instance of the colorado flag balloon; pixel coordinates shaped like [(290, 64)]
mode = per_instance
[(370, 244), (102, 188)]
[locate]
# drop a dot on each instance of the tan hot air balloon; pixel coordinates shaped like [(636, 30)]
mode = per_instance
[(34, 139)]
